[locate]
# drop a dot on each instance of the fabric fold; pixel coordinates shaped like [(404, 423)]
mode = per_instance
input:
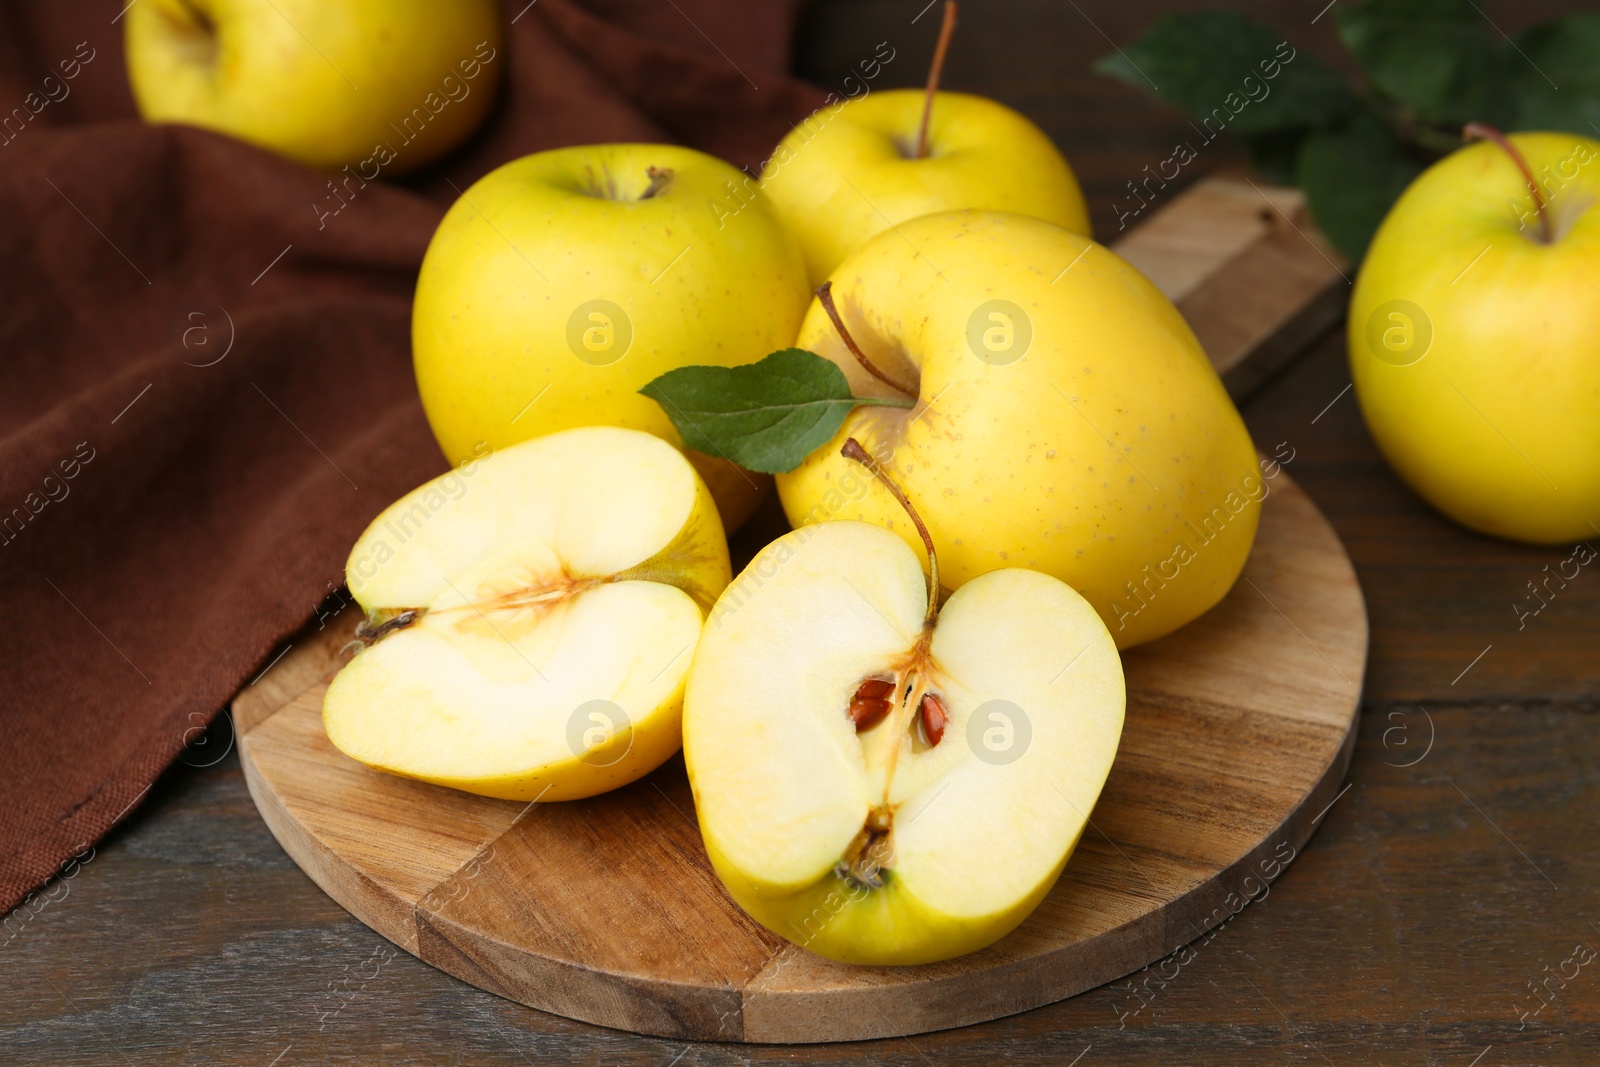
[(205, 369)]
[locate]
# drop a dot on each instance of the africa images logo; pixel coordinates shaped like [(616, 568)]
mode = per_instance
[(1399, 333), (599, 332)]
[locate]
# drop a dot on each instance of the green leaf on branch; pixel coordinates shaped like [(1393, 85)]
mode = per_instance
[(1428, 68), (1351, 176), (1441, 58), (1564, 52), (766, 416), (1201, 61)]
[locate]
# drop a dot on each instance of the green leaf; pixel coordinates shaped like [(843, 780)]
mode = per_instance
[(1351, 176), (1275, 156), (766, 416), (1230, 72), (1443, 58), (1564, 52)]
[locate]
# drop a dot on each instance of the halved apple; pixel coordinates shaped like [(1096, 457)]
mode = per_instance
[(531, 618), (884, 782)]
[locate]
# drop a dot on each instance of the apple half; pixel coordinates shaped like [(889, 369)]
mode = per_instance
[(531, 618), (882, 783)]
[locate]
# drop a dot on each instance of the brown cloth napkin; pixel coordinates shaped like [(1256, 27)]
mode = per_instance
[(204, 397)]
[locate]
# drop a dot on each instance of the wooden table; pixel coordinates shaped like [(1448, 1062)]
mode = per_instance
[(1452, 877)]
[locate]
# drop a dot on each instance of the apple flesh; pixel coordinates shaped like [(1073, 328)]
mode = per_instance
[(563, 282), (846, 174), (392, 84), (532, 618), (1066, 419), (1474, 345), (896, 844)]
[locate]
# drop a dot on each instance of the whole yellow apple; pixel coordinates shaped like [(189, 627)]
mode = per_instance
[(376, 85), (847, 172), (562, 282), (1065, 419), (1475, 341)]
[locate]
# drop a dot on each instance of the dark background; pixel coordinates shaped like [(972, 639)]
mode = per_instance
[(1407, 932)]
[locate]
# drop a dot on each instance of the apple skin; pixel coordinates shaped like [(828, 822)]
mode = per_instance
[(784, 783), (1493, 422), (318, 81), (505, 309), (844, 174), (880, 927), (408, 706), (1004, 468)]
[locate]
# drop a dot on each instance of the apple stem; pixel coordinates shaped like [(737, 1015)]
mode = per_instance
[(852, 450), (1474, 131), (368, 635), (198, 17), (659, 177), (946, 30), (825, 295)]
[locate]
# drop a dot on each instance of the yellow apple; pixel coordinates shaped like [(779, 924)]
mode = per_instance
[(531, 618), (846, 173), (377, 85), (859, 827), (1066, 419), (561, 283), (1475, 343)]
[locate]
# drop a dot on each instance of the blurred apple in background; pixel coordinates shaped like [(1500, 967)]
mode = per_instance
[(563, 282), (1475, 337), (838, 180), (856, 168), (379, 85)]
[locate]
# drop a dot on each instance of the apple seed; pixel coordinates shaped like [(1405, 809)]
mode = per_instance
[(870, 704), (933, 719)]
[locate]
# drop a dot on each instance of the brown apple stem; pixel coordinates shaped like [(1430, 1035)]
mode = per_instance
[(198, 17), (852, 450), (1474, 131), (946, 31), (368, 635), (825, 295), (659, 177)]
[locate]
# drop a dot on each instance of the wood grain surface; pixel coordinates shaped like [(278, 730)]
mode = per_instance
[(1456, 872), (607, 910), (1406, 933), (1245, 264)]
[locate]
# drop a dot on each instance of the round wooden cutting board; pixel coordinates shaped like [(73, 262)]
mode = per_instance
[(1239, 729)]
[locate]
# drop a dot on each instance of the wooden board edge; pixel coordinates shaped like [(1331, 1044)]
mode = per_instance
[(758, 1016), (623, 1002), (1136, 945), (362, 897), (1291, 340), (1245, 214), (1052, 977)]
